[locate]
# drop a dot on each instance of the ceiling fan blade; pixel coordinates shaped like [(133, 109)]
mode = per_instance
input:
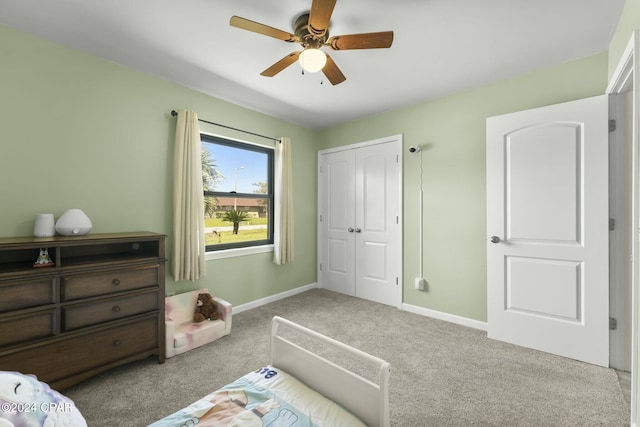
[(332, 72), (259, 28), (281, 65), (383, 39), (320, 15)]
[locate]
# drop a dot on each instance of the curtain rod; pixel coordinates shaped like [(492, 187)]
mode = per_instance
[(174, 113)]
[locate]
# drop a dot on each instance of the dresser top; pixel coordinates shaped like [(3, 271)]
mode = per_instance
[(56, 240)]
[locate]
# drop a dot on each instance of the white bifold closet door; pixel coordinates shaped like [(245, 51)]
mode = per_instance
[(359, 222)]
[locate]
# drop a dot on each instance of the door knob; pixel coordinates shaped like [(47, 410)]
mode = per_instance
[(495, 239), (358, 230), (350, 229)]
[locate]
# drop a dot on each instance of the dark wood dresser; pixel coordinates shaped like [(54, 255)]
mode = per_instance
[(100, 305)]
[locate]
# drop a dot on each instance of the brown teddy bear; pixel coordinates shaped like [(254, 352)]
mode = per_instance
[(206, 308)]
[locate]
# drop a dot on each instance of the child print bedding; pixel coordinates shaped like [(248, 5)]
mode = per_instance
[(266, 397)]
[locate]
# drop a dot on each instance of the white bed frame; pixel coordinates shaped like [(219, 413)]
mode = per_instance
[(365, 399)]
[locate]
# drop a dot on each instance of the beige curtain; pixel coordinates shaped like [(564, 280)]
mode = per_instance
[(283, 213), (188, 200)]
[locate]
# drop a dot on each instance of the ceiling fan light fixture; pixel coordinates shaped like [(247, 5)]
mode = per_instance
[(312, 60)]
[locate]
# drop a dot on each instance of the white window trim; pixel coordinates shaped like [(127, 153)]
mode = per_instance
[(229, 253)]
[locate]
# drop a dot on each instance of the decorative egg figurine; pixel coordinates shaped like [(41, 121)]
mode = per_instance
[(73, 222)]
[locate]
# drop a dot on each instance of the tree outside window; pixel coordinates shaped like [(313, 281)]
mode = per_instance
[(238, 193)]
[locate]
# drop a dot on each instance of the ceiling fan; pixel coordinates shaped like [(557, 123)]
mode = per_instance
[(311, 31)]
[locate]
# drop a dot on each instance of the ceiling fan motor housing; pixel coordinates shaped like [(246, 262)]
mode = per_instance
[(308, 40)]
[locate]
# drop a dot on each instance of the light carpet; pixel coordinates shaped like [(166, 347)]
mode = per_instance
[(442, 374)]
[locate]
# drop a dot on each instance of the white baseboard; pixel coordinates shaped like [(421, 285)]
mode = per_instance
[(262, 301), (464, 321)]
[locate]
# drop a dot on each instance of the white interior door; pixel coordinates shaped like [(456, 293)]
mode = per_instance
[(377, 223), (337, 221), (547, 224)]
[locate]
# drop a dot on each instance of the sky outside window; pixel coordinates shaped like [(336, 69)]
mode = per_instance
[(227, 159)]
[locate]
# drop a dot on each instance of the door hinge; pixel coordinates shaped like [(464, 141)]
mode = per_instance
[(320, 169), (320, 267), (613, 323), (612, 224), (612, 125), (320, 218), (397, 281)]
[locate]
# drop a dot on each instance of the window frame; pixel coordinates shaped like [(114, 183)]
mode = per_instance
[(241, 247)]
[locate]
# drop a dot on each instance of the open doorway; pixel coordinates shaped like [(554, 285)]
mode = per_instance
[(620, 227), (623, 204), (620, 236)]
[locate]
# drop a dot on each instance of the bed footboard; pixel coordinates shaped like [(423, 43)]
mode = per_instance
[(366, 398)]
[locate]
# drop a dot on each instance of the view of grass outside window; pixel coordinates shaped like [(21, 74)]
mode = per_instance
[(238, 193)]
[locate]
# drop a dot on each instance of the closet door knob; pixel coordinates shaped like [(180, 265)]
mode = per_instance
[(495, 239), (350, 229), (358, 230)]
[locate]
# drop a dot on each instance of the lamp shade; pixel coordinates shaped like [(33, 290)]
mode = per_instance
[(312, 60), (73, 222)]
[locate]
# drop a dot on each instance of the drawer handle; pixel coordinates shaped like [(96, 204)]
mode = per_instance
[(115, 282), (115, 309), (116, 343)]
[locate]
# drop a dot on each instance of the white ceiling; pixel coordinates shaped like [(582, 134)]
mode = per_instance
[(440, 46)]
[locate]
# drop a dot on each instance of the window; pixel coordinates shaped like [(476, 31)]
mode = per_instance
[(238, 193)]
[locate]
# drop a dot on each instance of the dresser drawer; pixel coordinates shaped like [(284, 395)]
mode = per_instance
[(34, 326), (74, 355), (106, 282), (81, 315), (25, 294)]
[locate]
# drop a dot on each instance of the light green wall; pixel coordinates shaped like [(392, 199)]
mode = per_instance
[(629, 21), (451, 132), (81, 132)]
